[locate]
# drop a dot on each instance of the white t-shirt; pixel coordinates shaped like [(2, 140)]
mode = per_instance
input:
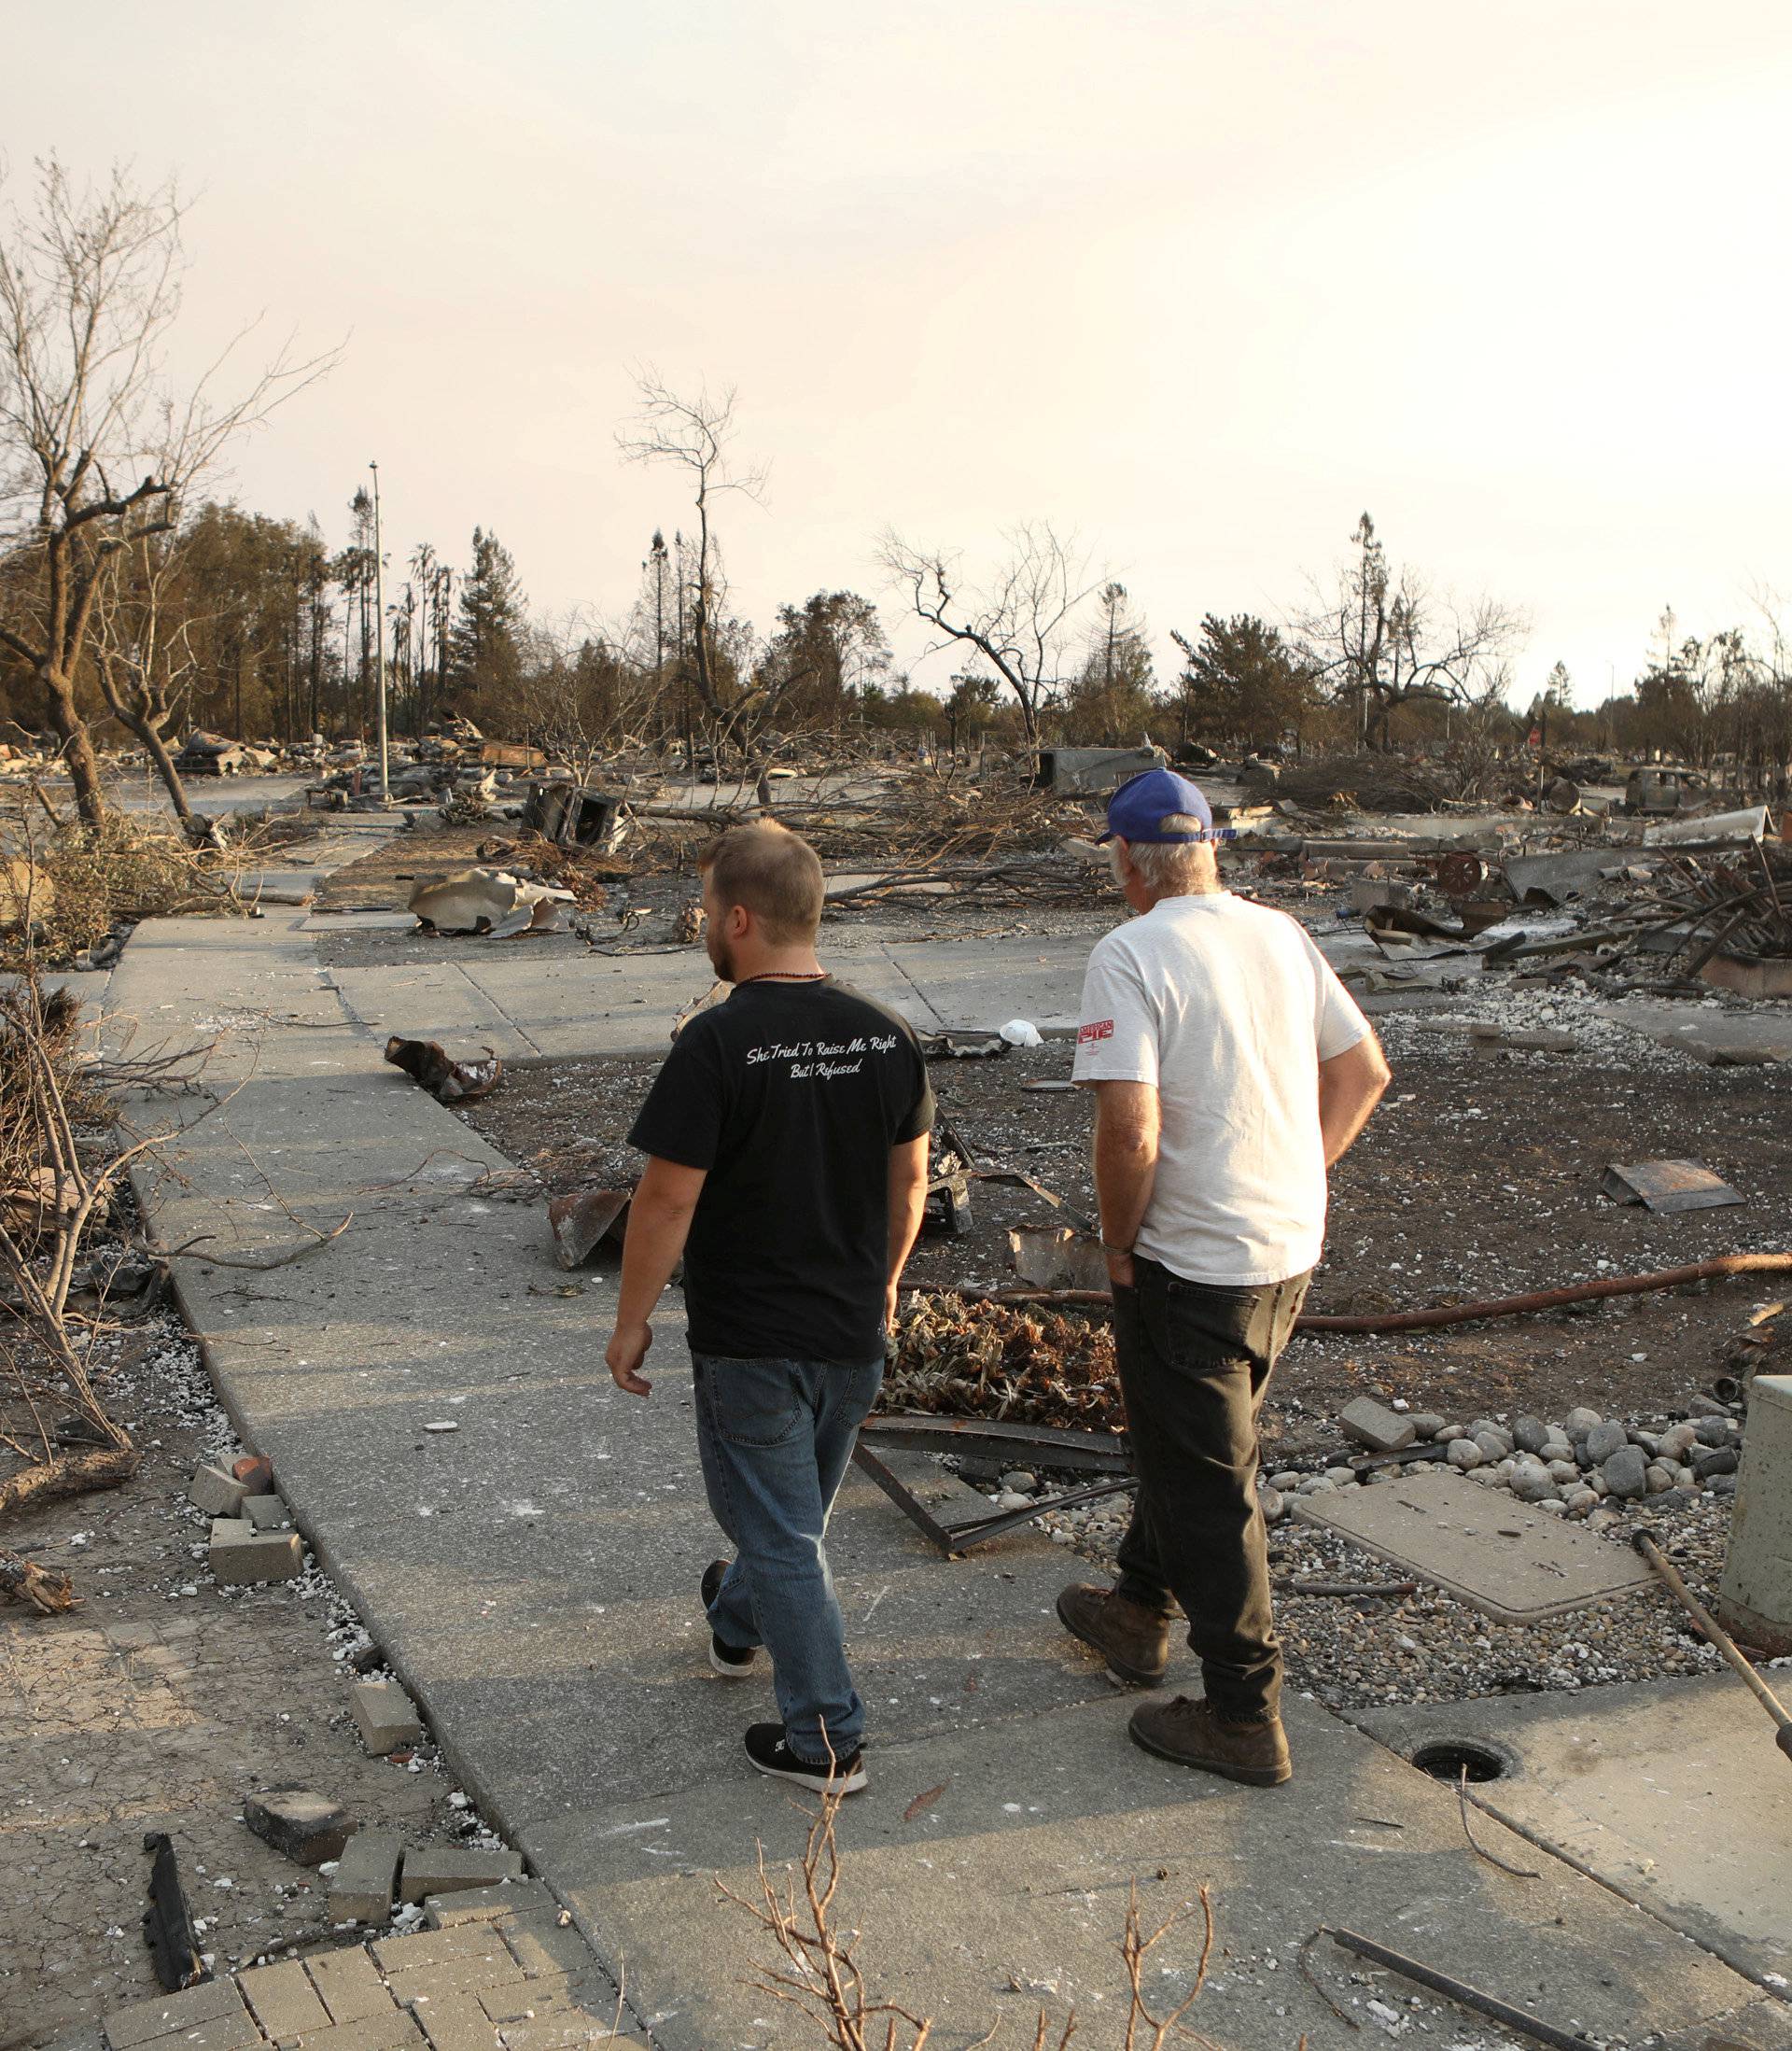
[(1228, 1008)]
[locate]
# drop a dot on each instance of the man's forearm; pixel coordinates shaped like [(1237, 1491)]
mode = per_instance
[(1344, 1110), (1126, 1172), (907, 1203), (652, 1250)]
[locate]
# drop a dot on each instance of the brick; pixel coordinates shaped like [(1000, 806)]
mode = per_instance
[(283, 1999), (309, 1828), (557, 1994), (215, 1492), (360, 1888), (228, 2033), (441, 1869), (241, 1553), (254, 1471), (1375, 1426), (386, 1715), (265, 1512), (440, 1947), (424, 1984), (350, 1983), (480, 1905), (397, 2031), (543, 1944), (166, 2013), (458, 2024)]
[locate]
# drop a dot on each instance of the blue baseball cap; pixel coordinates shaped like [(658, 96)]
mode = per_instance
[(1139, 808)]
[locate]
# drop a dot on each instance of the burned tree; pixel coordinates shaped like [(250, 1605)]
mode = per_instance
[(693, 434), (96, 445), (1380, 639), (1019, 623)]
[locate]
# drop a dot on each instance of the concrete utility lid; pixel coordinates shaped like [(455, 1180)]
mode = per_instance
[(1499, 1554)]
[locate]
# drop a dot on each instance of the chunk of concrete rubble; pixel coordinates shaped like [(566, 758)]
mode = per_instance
[(239, 1554), (1375, 1426), (215, 1492), (308, 1827), (449, 1869), (386, 1716), (362, 1885), (265, 1512)]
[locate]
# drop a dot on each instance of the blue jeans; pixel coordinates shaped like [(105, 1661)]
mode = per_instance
[(775, 1438)]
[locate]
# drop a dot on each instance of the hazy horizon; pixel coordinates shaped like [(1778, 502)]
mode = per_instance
[(1200, 284)]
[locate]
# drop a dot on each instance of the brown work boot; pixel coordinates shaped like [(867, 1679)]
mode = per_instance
[(1134, 1640), (1189, 1733)]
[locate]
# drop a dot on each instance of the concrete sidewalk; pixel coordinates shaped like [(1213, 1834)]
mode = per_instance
[(532, 1577)]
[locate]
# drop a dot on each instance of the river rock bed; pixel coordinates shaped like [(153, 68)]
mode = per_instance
[(1361, 1652)]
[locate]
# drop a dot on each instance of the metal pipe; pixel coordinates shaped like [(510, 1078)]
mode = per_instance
[(1715, 1632), (1459, 1992)]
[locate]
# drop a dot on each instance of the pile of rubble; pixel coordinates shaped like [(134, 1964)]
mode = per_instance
[(962, 1358)]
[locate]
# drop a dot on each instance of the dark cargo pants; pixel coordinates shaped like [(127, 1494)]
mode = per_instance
[(1195, 1361)]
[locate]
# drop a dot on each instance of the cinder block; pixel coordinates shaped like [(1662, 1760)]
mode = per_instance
[(241, 1553), (543, 1944), (265, 1512), (215, 1492), (480, 1905), (164, 2013), (286, 2004), (309, 1828), (441, 1869), (360, 1888), (386, 1715), (1375, 1426), (350, 1982)]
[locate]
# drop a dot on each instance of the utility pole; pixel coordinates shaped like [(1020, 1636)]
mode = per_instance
[(658, 553), (379, 642)]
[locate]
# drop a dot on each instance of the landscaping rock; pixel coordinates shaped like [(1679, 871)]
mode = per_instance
[(1286, 1482), (308, 1827), (1275, 1505), (1603, 1439), (1021, 1482), (1426, 1423), (1562, 1471), (1677, 1441), (1530, 1434), (1532, 1484), (1579, 1423), (1626, 1472), (1702, 1406), (1715, 1460), (1465, 1453), (1715, 1431), (1375, 1426)]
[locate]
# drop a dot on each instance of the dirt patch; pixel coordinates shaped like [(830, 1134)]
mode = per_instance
[(1478, 1178), (159, 1704)]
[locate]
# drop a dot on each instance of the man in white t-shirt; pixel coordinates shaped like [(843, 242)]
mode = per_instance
[(1231, 1069)]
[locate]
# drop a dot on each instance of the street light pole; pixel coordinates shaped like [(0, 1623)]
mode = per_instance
[(379, 640)]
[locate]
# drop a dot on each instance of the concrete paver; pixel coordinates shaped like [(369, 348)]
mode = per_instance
[(284, 2001), (163, 2015)]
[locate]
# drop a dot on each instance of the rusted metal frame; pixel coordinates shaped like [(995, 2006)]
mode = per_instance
[(1055, 1445), (1715, 1634), (955, 1538)]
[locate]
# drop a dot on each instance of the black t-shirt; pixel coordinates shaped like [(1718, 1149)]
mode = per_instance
[(790, 1096)]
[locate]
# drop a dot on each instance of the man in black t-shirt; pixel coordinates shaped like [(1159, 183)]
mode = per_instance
[(787, 1144)]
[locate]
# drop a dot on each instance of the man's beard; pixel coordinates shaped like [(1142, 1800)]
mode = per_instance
[(721, 956)]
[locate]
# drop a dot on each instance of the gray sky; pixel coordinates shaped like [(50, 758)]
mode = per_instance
[(1201, 281)]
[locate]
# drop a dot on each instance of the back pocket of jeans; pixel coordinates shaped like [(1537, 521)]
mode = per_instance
[(751, 1402)]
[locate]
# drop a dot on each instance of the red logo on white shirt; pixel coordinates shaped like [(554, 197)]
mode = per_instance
[(1098, 1029)]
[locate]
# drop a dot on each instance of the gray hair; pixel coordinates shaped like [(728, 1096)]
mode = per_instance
[(1174, 869)]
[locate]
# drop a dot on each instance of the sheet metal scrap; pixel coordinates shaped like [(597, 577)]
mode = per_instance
[(1668, 1186), (430, 1065), (489, 902)]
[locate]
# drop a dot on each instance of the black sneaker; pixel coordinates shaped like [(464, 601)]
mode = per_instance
[(732, 1662), (767, 1749)]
